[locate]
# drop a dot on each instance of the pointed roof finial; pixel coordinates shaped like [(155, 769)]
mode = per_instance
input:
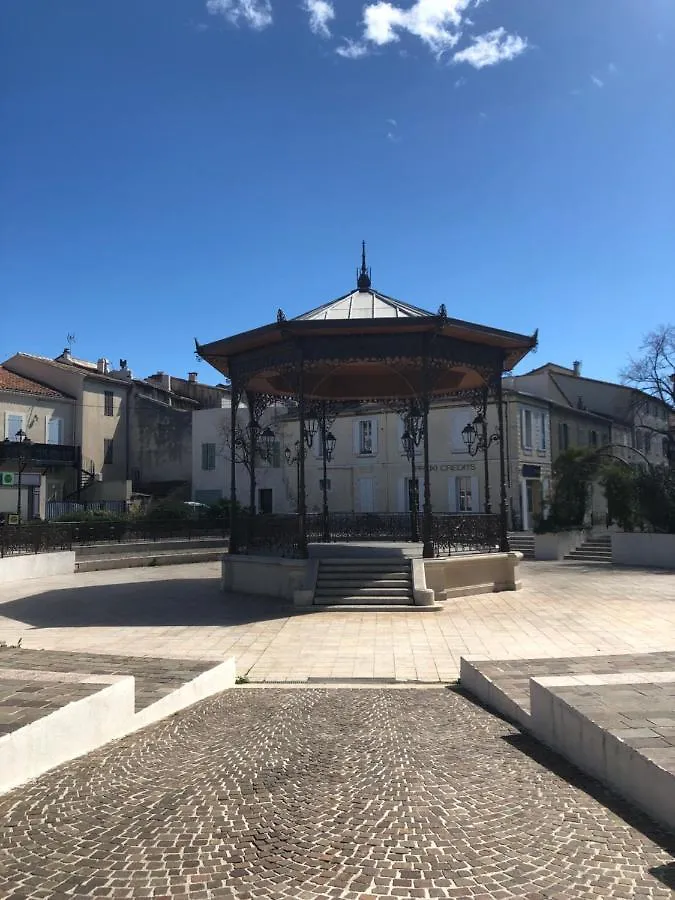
[(363, 277)]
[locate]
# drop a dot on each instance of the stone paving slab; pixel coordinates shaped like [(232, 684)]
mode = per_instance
[(180, 612), (642, 714), (327, 794), (25, 700), (512, 676), (155, 678)]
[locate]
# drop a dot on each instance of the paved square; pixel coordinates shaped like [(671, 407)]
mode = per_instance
[(563, 610)]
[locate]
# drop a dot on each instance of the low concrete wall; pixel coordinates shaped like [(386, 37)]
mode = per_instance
[(270, 576), (422, 594), (37, 565), (600, 753), (84, 725), (68, 732), (655, 551), (459, 576), (556, 545)]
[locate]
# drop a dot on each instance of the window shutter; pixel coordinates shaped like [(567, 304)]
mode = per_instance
[(475, 499), (356, 437), (14, 424), (373, 432), (452, 495)]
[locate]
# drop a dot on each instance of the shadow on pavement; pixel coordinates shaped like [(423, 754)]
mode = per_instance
[(665, 874), (557, 764), (150, 603)]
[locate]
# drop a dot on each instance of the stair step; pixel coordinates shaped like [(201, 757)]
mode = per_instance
[(354, 600)]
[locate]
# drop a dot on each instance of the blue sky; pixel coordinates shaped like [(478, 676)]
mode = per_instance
[(181, 168)]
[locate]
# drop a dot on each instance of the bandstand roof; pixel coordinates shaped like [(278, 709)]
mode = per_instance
[(367, 346)]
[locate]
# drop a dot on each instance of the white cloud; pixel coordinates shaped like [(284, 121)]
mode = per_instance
[(352, 49), (492, 48), (321, 12), (598, 82), (255, 13), (612, 69), (435, 22)]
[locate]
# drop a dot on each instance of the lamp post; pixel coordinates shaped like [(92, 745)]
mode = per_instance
[(328, 442), (22, 460), (294, 457), (478, 441), (411, 439)]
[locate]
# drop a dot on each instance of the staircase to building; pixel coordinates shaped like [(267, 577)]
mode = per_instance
[(523, 542), (594, 549), (385, 581)]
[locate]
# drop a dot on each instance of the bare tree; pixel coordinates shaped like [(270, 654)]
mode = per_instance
[(653, 374)]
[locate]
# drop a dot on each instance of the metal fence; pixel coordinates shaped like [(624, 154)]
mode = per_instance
[(279, 535), (41, 537), (57, 508)]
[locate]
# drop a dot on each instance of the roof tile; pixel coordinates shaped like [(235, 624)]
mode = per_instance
[(10, 381)]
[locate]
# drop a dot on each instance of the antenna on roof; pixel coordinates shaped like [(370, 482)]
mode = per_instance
[(70, 340)]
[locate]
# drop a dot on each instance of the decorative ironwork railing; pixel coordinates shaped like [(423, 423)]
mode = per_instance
[(57, 508), (465, 532), (279, 535), (268, 535), (362, 527), (40, 537), (38, 454)]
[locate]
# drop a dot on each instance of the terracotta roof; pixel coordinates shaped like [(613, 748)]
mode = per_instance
[(9, 381)]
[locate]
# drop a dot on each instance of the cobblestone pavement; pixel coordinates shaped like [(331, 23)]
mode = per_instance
[(312, 794), (179, 611)]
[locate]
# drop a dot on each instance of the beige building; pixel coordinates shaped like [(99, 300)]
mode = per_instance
[(369, 470), (132, 435), (38, 443)]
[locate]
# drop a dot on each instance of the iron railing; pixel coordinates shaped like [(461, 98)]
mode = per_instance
[(57, 508), (279, 535), (41, 537), (38, 454)]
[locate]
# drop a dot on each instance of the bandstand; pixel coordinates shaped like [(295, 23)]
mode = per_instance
[(365, 347)]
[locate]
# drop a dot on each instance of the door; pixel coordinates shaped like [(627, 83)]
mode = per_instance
[(265, 500), (366, 495)]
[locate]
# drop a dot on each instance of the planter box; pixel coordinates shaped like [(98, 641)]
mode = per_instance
[(556, 544), (461, 576), (655, 551)]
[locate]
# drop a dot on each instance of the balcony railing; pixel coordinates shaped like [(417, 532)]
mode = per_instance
[(38, 454)]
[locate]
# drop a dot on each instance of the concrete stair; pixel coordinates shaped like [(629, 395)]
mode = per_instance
[(523, 542), (593, 549), (364, 582), (99, 557)]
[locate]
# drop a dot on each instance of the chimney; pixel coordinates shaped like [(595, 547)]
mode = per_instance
[(576, 365), (192, 377), (103, 366), (66, 353), (166, 381)]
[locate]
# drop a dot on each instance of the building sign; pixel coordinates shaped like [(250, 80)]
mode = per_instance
[(453, 467), (531, 471)]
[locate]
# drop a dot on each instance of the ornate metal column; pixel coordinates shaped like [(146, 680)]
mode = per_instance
[(235, 396), (302, 500), (503, 522), (326, 419), (427, 522), (252, 401)]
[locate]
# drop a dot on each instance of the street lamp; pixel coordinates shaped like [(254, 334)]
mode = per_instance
[(22, 460), (475, 436), (267, 444), (411, 439), (328, 442)]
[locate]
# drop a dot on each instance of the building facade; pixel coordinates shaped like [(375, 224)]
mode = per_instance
[(39, 454)]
